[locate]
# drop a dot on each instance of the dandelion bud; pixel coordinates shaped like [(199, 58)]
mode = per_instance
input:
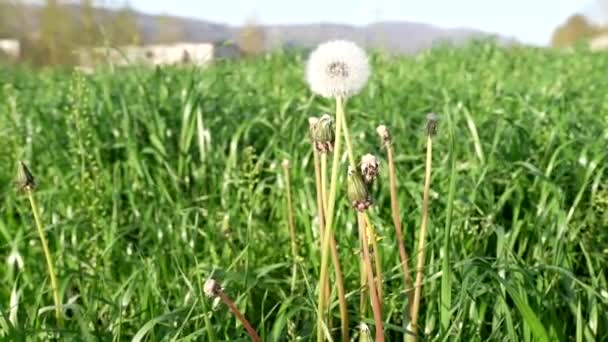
[(323, 134), (25, 179), (212, 288), (337, 69), (431, 124), (384, 134), (369, 168), (357, 191)]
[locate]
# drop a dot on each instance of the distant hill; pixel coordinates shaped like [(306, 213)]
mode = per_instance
[(393, 36)]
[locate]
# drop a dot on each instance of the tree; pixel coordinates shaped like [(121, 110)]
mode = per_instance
[(89, 25), (575, 29), (169, 30), (55, 42), (251, 38), (122, 28)]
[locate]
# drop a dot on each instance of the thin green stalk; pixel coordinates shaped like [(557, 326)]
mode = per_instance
[(48, 257), (422, 236), (320, 175), (363, 291), (329, 218), (353, 164), (324, 180), (320, 206), (377, 261), (291, 224), (377, 310), (446, 280), (405, 260)]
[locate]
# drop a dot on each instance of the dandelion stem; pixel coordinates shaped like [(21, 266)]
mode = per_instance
[(377, 261), (320, 173), (239, 316), (48, 257), (422, 236), (291, 224), (324, 180), (320, 205), (407, 276), (363, 291), (370, 278), (353, 164), (329, 218)]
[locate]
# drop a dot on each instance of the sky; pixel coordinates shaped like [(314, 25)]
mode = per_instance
[(529, 21)]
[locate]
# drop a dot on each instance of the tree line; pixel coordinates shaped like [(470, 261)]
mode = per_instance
[(50, 33), (577, 28)]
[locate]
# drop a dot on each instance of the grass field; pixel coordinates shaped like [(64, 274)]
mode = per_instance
[(150, 181)]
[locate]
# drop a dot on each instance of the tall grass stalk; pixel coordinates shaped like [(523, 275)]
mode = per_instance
[(363, 236), (423, 228), (48, 257), (403, 254), (446, 271), (329, 218), (291, 224), (27, 183)]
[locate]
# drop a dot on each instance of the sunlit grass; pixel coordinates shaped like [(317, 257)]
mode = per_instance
[(150, 181)]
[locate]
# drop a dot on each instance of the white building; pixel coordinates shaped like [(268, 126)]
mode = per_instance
[(158, 54), (10, 48), (599, 43)]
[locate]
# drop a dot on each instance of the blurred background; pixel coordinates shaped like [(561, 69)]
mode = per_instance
[(89, 32)]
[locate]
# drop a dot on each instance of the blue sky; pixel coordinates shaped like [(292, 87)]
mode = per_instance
[(530, 21)]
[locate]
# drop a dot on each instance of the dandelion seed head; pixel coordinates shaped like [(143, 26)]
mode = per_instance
[(337, 68)]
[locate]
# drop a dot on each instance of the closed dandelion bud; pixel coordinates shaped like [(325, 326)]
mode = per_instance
[(357, 191), (212, 288), (369, 168), (25, 179), (323, 134), (431, 124)]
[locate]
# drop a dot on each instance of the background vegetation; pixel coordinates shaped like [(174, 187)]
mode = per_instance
[(152, 180)]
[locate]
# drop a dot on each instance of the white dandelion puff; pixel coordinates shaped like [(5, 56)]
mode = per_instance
[(337, 68)]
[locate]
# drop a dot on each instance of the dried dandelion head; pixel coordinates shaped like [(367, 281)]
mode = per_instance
[(25, 180), (369, 168), (432, 120), (212, 288), (384, 134), (337, 68)]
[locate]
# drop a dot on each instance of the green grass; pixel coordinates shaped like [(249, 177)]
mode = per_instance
[(152, 180)]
